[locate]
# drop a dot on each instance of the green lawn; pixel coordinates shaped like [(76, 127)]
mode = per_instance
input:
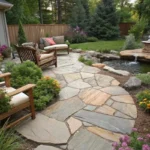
[(100, 45)]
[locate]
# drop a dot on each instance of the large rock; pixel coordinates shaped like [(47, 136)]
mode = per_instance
[(109, 57), (44, 147), (132, 83), (98, 65), (77, 50)]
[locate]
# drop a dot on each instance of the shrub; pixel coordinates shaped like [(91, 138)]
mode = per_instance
[(144, 99), (145, 78), (4, 102), (5, 51), (46, 89), (130, 42), (133, 142), (9, 141), (92, 39), (9, 66), (85, 61), (25, 73)]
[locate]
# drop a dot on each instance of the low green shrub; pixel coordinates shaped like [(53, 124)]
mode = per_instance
[(130, 42), (25, 73), (145, 78), (46, 89), (9, 140), (86, 62), (92, 39), (9, 66), (4, 102)]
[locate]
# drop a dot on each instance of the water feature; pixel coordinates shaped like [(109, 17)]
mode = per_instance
[(135, 60)]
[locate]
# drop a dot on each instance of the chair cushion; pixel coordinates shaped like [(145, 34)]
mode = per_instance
[(59, 39), (45, 56), (44, 61), (57, 46), (50, 41), (18, 99)]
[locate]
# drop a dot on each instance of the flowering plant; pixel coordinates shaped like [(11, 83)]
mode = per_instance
[(5, 51), (133, 142), (2, 48)]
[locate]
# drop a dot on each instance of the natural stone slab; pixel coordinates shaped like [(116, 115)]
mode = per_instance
[(127, 109), (85, 140), (90, 107), (44, 147), (115, 83), (123, 99), (87, 124), (107, 122), (44, 130), (109, 102), (115, 90), (91, 81), (121, 115), (105, 134), (77, 50), (49, 73), (89, 69), (99, 65), (59, 77), (86, 75), (68, 92), (133, 82), (72, 77), (79, 84), (74, 124), (106, 110), (103, 80), (62, 83), (94, 97), (63, 109)]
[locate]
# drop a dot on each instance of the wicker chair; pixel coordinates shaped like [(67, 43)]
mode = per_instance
[(44, 59), (19, 100)]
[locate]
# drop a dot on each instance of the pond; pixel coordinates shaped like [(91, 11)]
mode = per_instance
[(131, 66)]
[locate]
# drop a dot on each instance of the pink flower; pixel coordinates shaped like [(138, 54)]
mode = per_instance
[(124, 144), (134, 129), (121, 148), (140, 139), (148, 135), (127, 148), (145, 147), (115, 144)]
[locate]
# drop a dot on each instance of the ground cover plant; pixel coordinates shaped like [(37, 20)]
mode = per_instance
[(145, 78), (100, 45), (85, 61)]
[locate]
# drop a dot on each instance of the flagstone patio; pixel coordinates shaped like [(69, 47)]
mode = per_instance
[(92, 110)]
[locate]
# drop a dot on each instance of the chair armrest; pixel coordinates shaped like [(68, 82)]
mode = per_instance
[(5, 75), (22, 89), (49, 51)]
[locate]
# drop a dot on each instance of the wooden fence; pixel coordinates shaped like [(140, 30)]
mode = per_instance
[(124, 28), (35, 31)]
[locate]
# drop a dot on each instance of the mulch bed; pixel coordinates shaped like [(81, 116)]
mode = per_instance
[(142, 122)]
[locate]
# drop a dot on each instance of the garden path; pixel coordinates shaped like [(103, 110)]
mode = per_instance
[(92, 110)]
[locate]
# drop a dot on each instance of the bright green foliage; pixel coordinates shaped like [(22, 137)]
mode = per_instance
[(130, 42), (104, 23), (25, 73), (138, 29), (9, 141), (4, 102), (46, 89), (92, 39), (9, 66), (145, 78), (87, 62), (21, 34)]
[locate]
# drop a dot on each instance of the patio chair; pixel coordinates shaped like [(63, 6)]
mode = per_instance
[(19, 101), (44, 59)]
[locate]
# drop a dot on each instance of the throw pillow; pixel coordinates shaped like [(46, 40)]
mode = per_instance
[(50, 41)]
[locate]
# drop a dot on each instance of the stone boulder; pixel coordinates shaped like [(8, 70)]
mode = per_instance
[(77, 50), (98, 65), (113, 52), (133, 82), (109, 56)]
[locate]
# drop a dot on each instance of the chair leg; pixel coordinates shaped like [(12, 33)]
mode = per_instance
[(56, 64), (68, 50)]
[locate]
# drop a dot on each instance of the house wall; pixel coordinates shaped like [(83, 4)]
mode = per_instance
[(4, 39)]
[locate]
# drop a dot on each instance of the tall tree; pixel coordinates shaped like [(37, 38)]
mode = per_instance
[(104, 23)]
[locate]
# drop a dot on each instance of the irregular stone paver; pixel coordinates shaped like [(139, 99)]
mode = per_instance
[(115, 83), (68, 92), (85, 140), (62, 83), (90, 107), (127, 109), (59, 77), (87, 124), (105, 133), (94, 97), (89, 69), (86, 75), (106, 110), (44, 130), (109, 102), (44, 147), (79, 84), (103, 80), (121, 115), (123, 99), (62, 110), (111, 123), (115, 90), (74, 124), (91, 81), (49, 74), (72, 77)]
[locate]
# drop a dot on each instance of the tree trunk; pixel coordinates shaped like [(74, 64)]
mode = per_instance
[(40, 12), (59, 11)]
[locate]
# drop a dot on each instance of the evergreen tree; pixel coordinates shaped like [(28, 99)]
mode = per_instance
[(104, 23), (21, 34)]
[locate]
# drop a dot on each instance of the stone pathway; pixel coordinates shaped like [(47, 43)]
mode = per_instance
[(92, 110)]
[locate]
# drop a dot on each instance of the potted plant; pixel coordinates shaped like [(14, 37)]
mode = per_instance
[(5, 51)]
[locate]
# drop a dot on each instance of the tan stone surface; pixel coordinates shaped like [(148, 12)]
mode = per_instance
[(86, 75), (72, 77), (115, 82), (94, 97), (123, 99), (99, 65), (106, 110), (105, 133), (74, 124)]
